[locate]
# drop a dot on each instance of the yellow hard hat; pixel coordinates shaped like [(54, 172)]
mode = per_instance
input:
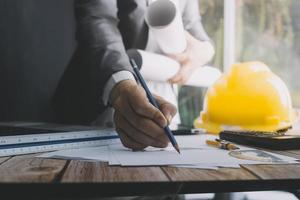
[(249, 97)]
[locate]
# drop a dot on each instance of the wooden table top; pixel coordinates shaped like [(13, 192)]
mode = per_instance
[(27, 175)]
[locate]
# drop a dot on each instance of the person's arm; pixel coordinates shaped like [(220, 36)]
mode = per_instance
[(200, 49), (97, 32), (138, 123)]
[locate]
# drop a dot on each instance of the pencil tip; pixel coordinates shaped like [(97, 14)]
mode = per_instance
[(177, 148)]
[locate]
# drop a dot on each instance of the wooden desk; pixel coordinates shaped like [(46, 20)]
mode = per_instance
[(27, 176)]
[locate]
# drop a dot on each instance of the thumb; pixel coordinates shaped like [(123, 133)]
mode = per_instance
[(140, 104), (168, 109)]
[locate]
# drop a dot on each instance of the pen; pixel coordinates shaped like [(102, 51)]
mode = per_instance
[(222, 144), (153, 102), (187, 131)]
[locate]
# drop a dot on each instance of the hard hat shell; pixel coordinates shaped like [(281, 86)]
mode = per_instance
[(248, 97)]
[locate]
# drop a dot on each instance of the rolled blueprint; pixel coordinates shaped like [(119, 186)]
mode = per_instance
[(157, 67), (165, 22)]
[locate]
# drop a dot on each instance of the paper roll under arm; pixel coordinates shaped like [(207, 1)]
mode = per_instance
[(156, 67), (165, 22)]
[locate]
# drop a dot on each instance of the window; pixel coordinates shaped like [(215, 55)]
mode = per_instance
[(269, 31), (212, 12), (264, 30), (191, 98)]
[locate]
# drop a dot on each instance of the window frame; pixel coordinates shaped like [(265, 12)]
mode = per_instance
[(229, 34)]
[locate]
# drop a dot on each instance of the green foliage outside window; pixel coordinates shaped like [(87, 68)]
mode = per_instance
[(269, 31)]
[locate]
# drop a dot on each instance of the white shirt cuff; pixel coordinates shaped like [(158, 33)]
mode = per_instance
[(113, 80)]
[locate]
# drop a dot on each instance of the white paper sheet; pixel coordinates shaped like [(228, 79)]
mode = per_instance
[(156, 67), (194, 154), (207, 166), (170, 157), (196, 166), (92, 153)]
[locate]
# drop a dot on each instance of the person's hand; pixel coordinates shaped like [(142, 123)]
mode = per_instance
[(138, 123), (197, 54)]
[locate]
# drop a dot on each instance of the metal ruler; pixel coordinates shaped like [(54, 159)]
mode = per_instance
[(34, 143)]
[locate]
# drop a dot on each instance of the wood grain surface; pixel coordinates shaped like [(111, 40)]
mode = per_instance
[(3, 159), (27, 168), (184, 174), (94, 179), (81, 171), (274, 172)]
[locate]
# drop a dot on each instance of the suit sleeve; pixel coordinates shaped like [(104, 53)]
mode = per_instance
[(98, 33), (100, 53)]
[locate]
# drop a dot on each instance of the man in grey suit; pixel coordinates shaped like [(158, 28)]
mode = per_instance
[(100, 75)]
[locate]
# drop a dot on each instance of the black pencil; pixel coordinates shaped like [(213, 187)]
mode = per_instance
[(153, 102)]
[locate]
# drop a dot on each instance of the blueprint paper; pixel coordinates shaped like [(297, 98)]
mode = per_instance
[(216, 157), (165, 22), (93, 153), (194, 154), (157, 67)]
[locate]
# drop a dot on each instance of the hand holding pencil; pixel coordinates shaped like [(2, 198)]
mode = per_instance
[(166, 128), (139, 124)]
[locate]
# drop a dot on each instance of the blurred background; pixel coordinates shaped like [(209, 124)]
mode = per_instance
[(264, 30)]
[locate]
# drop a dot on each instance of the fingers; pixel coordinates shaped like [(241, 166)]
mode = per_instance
[(138, 137), (176, 78), (181, 57), (142, 124), (168, 109), (139, 123), (141, 105), (181, 77), (128, 142), (134, 104)]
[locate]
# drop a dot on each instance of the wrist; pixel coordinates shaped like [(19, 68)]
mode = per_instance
[(121, 88)]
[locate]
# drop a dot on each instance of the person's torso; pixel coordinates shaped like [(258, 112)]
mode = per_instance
[(36, 43)]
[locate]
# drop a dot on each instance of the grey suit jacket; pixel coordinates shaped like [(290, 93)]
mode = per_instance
[(36, 44), (105, 29)]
